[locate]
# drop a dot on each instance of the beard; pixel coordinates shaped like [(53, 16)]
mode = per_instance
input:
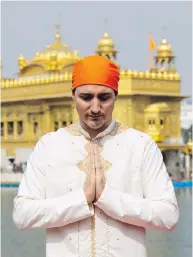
[(95, 122)]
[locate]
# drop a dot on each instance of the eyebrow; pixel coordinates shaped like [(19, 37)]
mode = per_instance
[(100, 94)]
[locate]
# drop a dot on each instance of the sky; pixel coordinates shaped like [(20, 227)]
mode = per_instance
[(28, 26)]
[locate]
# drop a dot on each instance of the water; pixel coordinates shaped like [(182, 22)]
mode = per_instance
[(178, 243)]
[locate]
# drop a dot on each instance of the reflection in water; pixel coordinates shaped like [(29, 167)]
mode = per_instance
[(177, 243), (31, 243)]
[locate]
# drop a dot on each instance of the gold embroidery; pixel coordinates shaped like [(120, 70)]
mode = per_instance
[(108, 236), (118, 129), (84, 165), (73, 130), (104, 163), (93, 253), (78, 238)]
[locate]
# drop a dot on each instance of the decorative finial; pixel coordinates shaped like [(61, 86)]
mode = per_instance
[(57, 32), (105, 26), (57, 26), (164, 32)]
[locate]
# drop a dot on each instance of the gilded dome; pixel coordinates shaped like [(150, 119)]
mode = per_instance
[(106, 41), (57, 52), (53, 58), (21, 58), (164, 49), (106, 46), (157, 107), (21, 61)]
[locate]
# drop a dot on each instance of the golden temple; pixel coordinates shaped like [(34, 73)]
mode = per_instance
[(39, 100)]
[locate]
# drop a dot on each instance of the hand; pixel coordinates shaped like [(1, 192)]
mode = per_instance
[(100, 177), (90, 183)]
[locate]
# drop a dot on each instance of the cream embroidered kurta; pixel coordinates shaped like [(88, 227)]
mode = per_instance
[(138, 193)]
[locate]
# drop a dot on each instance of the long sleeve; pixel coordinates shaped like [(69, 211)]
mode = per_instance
[(33, 210), (158, 208)]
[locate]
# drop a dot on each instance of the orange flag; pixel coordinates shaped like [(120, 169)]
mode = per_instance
[(152, 44)]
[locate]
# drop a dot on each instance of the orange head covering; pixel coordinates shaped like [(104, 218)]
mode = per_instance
[(95, 70)]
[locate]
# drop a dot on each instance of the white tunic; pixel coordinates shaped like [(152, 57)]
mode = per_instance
[(138, 194)]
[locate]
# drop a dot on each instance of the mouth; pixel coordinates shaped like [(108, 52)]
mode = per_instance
[(94, 117)]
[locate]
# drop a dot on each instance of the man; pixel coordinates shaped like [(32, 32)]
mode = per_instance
[(96, 185)]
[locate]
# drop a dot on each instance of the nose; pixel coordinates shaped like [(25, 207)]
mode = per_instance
[(95, 106)]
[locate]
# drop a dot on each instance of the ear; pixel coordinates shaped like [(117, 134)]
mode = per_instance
[(73, 97)]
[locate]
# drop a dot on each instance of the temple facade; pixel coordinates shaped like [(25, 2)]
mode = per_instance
[(39, 99)]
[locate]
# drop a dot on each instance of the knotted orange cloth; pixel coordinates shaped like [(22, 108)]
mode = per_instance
[(95, 70)]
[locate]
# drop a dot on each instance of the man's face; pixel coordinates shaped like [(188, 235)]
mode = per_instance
[(94, 105)]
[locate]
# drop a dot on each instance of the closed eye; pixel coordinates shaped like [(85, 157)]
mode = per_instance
[(104, 97), (86, 97)]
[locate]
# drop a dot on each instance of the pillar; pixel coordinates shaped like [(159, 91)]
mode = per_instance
[(29, 128), (5, 129), (187, 165), (15, 129), (68, 117), (130, 114), (26, 127), (74, 113), (47, 120)]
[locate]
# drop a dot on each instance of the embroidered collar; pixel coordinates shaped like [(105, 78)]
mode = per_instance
[(102, 134)]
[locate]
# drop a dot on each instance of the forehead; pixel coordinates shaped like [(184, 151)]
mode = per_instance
[(94, 89)]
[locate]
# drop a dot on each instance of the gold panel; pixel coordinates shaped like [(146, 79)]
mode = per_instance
[(150, 85), (40, 91)]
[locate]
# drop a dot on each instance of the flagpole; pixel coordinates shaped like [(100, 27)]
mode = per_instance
[(150, 58), (150, 53), (152, 46)]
